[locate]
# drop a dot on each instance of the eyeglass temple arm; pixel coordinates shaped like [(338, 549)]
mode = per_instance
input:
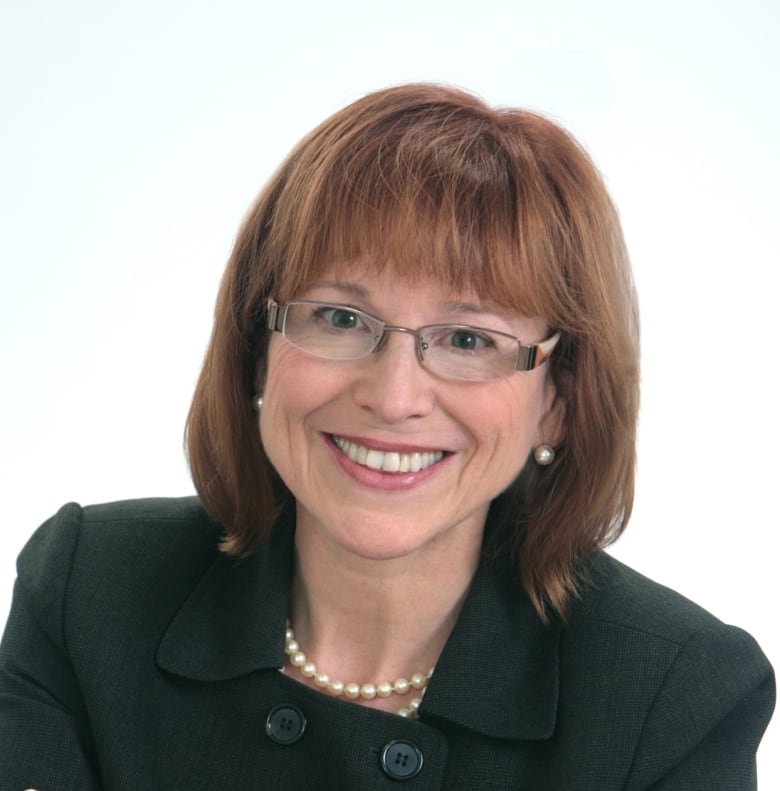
[(530, 357), (274, 315)]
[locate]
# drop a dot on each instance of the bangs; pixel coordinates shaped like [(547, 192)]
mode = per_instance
[(440, 202)]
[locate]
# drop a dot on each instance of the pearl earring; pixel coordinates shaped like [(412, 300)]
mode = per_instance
[(257, 401), (544, 455)]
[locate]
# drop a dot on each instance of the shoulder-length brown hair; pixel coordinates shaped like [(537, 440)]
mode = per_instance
[(433, 182)]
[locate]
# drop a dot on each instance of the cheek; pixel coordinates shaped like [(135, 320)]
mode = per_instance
[(508, 421), (296, 385), (279, 401)]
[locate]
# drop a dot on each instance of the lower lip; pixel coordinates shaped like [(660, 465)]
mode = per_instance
[(377, 479)]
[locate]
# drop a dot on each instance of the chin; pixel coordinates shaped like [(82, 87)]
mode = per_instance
[(369, 533), (385, 544)]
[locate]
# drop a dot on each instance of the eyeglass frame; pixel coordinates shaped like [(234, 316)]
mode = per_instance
[(528, 357)]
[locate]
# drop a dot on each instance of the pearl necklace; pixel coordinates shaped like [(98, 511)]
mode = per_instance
[(368, 691)]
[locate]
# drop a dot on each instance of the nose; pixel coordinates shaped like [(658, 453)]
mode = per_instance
[(392, 383)]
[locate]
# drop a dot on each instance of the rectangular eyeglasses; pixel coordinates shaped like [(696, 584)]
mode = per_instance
[(454, 351)]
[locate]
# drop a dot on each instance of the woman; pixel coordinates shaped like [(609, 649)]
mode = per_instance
[(413, 434)]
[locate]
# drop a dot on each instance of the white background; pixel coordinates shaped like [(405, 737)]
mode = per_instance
[(133, 136)]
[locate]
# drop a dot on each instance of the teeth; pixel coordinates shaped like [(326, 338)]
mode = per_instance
[(388, 461), (374, 459)]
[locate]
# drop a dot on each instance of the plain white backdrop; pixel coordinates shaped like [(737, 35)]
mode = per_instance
[(133, 137)]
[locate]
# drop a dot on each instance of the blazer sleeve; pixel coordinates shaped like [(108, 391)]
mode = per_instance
[(45, 741), (708, 717)]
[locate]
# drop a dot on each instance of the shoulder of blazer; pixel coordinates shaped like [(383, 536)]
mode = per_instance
[(651, 631), (623, 611), (693, 693), (616, 594), (84, 563), (157, 527)]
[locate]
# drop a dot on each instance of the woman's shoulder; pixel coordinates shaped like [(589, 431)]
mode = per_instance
[(688, 690), (624, 613), (615, 593), (112, 531), (147, 513), (178, 525), (144, 550)]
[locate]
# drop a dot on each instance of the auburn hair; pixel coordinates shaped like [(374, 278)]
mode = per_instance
[(433, 182)]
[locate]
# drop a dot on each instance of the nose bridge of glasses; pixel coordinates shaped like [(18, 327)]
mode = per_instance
[(419, 345)]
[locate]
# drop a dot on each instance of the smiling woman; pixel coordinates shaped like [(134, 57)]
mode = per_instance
[(412, 438), (422, 184)]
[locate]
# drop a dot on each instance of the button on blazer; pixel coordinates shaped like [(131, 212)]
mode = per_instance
[(137, 656)]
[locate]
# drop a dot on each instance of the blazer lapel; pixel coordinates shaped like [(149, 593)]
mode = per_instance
[(499, 671), (233, 622)]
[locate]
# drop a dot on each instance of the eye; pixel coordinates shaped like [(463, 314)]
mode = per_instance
[(461, 341), (468, 339), (338, 318)]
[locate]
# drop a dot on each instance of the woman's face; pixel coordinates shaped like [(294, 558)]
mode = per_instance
[(325, 424)]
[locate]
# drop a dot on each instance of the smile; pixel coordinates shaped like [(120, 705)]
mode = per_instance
[(387, 461)]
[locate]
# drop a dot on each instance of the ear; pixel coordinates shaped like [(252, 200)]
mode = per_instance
[(552, 426), (260, 375)]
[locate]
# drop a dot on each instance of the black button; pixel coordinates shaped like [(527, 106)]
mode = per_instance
[(285, 724), (401, 760)]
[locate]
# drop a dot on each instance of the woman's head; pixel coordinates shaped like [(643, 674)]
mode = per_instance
[(432, 184)]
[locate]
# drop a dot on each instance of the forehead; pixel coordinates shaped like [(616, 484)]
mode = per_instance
[(370, 283), (460, 287)]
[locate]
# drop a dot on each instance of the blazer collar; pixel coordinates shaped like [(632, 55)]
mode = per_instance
[(233, 622), (498, 673)]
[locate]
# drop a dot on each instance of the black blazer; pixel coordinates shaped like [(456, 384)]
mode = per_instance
[(138, 657)]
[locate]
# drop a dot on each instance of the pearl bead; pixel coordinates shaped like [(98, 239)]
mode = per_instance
[(352, 690), (321, 679), (401, 686), (384, 689), (309, 669), (336, 687), (418, 680), (292, 647), (298, 659), (368, 691)]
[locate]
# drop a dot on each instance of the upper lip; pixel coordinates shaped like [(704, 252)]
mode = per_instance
[(398, 447)]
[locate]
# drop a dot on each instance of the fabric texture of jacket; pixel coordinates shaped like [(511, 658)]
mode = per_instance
[(136, 656)]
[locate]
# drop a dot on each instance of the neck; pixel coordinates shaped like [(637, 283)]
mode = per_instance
[(373, 620)]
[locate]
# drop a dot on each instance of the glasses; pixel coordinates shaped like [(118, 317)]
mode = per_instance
[(455, 351)]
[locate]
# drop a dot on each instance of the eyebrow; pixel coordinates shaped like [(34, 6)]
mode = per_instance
[(475, 307), (353, 289)]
